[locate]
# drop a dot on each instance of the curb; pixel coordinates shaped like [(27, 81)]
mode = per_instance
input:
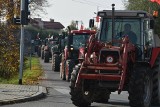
[(40, 94)]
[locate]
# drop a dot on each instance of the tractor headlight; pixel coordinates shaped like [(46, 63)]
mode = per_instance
[(71, 49), (91, 56)]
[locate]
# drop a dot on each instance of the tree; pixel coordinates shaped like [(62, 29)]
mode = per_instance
[(9, 45), (37, 7), (73, 25)]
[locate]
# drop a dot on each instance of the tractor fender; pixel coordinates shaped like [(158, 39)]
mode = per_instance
[(142, 63), (66, 53), (154, 55)]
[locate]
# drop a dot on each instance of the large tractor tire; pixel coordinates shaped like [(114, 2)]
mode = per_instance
[(42, 54), (46, 56), (156, 83), (78, 96), (62, 71), (39, 51), (140, 87), (68, 69), (62, 68), (55, 62)]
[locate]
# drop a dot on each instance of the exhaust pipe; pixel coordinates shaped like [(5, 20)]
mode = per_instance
[(113, 22)]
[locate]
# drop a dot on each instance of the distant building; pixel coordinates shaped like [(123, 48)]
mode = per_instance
[(47, 25)]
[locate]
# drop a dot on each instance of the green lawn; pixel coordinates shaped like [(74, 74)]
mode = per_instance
[(29, 76)]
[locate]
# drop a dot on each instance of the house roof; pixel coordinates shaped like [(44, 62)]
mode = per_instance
[(46, 24), (52, 25)]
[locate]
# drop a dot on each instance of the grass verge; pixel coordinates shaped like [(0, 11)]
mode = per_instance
[(32, 71)]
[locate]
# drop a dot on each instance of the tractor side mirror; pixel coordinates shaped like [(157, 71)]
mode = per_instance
[(91, 23), (152, 24)]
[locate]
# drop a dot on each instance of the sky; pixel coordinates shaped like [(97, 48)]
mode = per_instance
[(64, 11)]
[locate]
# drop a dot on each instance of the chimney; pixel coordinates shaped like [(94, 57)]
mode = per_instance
[(51, 20)]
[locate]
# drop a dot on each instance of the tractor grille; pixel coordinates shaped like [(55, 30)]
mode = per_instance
[(103, 59), (105, 53), (108, 72)]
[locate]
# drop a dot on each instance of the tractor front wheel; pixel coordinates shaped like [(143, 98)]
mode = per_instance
[(46, 56), (68, 69), (55, 62), (77, 94), (140, 87)]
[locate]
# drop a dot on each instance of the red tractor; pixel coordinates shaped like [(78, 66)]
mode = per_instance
[(117, 61), (73, 51)]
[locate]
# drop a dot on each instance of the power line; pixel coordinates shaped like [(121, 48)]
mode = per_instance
[(89, 3), (95, 3)]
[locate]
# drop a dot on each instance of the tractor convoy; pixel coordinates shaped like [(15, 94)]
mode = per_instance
[(123, 56), (46, 49)]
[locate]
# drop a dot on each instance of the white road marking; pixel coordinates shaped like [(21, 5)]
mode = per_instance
[(63, 90)]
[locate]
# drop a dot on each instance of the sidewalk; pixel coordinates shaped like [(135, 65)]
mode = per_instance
[(20, 93)]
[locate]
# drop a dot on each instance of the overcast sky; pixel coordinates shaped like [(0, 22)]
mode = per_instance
[(65, 11)]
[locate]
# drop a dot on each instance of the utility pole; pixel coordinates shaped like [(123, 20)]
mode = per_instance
[(23, 21), (21, 46)]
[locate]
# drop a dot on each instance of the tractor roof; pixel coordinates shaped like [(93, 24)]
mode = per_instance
[(83, 31), (124, 13)]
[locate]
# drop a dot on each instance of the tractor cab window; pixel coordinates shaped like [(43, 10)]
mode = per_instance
[(123, 27), (79, 40), (148, 34)]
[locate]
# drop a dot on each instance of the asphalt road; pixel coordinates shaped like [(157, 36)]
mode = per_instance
[(58, 93)]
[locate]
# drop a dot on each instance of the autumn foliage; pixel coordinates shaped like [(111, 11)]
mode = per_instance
[(9, 47)]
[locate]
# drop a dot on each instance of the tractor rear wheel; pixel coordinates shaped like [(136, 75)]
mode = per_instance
[(78, 96), (156, 83), (46, 56), (140, 87), (55, 62), (39, 51)]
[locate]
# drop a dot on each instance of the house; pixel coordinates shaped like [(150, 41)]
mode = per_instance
[(47, 25)]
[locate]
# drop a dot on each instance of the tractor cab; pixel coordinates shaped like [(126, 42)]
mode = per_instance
[(75, 46), (136, 25), (77, 39), (124, 56)]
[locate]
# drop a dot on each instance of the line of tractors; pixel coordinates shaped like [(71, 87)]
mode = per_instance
[(65, 50), (98, 63)]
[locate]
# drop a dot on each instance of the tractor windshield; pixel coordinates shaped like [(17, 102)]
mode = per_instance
[(79, 40), (123, 27)]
